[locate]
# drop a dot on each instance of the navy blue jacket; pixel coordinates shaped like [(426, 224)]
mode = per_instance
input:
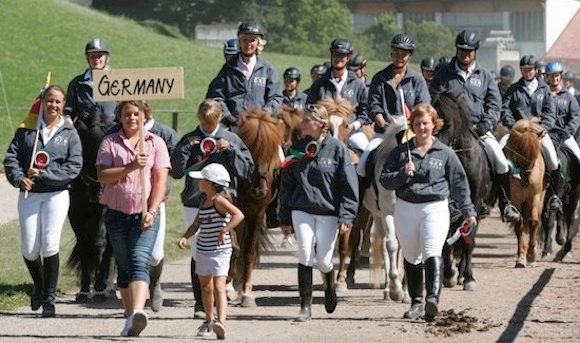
[(298, 102), (518, 104), (479, 91), (384, 98), (353, 90), (236, 94), (326, 184), (567, 116), (66, 158), (439, 174), (79, 99), (237, 160)]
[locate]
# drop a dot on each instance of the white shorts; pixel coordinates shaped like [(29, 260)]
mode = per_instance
[(214, 264)]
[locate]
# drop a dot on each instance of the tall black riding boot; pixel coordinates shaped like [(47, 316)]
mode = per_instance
[(305, 290), (330, 298), (51, 266), (433, 281), (198, 311), (155, 291), (414, 273), (509, 213), (35, 270), (555, 203)]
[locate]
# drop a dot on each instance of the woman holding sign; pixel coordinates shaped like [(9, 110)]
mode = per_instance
[(56, 156), (318, 199), (132, 233)]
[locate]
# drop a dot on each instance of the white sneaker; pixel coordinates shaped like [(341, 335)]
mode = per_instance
[(128, 325), (139, 322)]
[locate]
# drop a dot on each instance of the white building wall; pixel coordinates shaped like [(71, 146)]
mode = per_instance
[(558, 15)]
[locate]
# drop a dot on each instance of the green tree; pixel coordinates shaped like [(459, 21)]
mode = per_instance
[(376, 37), (310, 26), (432, 39)]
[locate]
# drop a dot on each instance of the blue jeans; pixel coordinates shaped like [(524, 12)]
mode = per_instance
[(132, 246)]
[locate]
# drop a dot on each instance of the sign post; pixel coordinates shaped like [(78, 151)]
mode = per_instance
[(138, 84)]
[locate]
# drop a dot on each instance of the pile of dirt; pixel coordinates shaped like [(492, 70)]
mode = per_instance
[(450, 323)]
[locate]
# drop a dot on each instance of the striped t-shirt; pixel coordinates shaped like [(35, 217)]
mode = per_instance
[(210, 224)]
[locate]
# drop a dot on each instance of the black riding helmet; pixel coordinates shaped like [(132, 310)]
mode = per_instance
[(251, 28), (341, 45), (428, 63), (318, 69), (403, 41), (529, 61), (507, 72), (292, 73), (568, 76), (97, 45), (468, 40), (357, 62)]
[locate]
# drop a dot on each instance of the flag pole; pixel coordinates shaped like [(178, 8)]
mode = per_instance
[(406, 136), (38, 120), (142, 151)]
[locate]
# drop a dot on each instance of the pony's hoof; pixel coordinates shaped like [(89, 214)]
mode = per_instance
[(450, 282), (341, 287), (520, 264), (231, 293), (469, 286), (460, 280), (397, 295), (83, 297), (248, 300), (546, 256), (532, 264), (386, 295)]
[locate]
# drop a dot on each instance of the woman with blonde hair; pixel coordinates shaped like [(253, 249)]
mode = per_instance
[(318, 199)]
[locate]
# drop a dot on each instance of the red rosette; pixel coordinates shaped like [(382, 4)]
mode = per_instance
[(208, 145), (41, 159)]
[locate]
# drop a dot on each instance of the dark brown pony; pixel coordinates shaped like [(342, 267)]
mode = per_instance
[(262, 134), (528, 190), (291, 117), (339, 111)]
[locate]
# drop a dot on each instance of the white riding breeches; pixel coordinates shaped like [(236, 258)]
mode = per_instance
[(373, 144), (495, 152), (421, 228), (548, 152), (158, 251), (41, 217), (571, 144), (358, 140), (316, 237)]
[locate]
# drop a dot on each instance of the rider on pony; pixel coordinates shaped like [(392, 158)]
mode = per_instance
[(530, 97), (464, 76), (567, 110), (340, 81), (387, 87)]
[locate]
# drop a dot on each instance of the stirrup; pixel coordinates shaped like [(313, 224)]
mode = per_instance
[(511, 214), (555, 203)]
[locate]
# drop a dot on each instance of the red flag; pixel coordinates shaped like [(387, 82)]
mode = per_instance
[(407, 111), (31, 121)]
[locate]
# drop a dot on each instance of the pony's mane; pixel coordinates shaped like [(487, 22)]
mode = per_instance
[(523, 147), (262, 134), (456, 115), (337, 106), (396, 125)]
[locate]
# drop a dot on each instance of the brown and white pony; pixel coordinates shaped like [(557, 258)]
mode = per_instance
[(529, 188)]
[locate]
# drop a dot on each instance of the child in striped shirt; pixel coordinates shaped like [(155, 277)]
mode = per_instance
[(217, 216)]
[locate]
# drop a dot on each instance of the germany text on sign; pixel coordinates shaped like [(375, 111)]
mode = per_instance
[(138, 84)]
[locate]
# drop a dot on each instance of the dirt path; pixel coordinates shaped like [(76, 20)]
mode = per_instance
[(524, 305)]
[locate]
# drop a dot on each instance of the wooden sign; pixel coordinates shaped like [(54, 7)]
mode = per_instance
[(138, 84)]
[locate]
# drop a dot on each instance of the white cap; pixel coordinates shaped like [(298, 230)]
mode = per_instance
[(213, 172)]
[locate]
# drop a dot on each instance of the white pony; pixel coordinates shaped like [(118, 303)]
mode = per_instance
[(381, 203)]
